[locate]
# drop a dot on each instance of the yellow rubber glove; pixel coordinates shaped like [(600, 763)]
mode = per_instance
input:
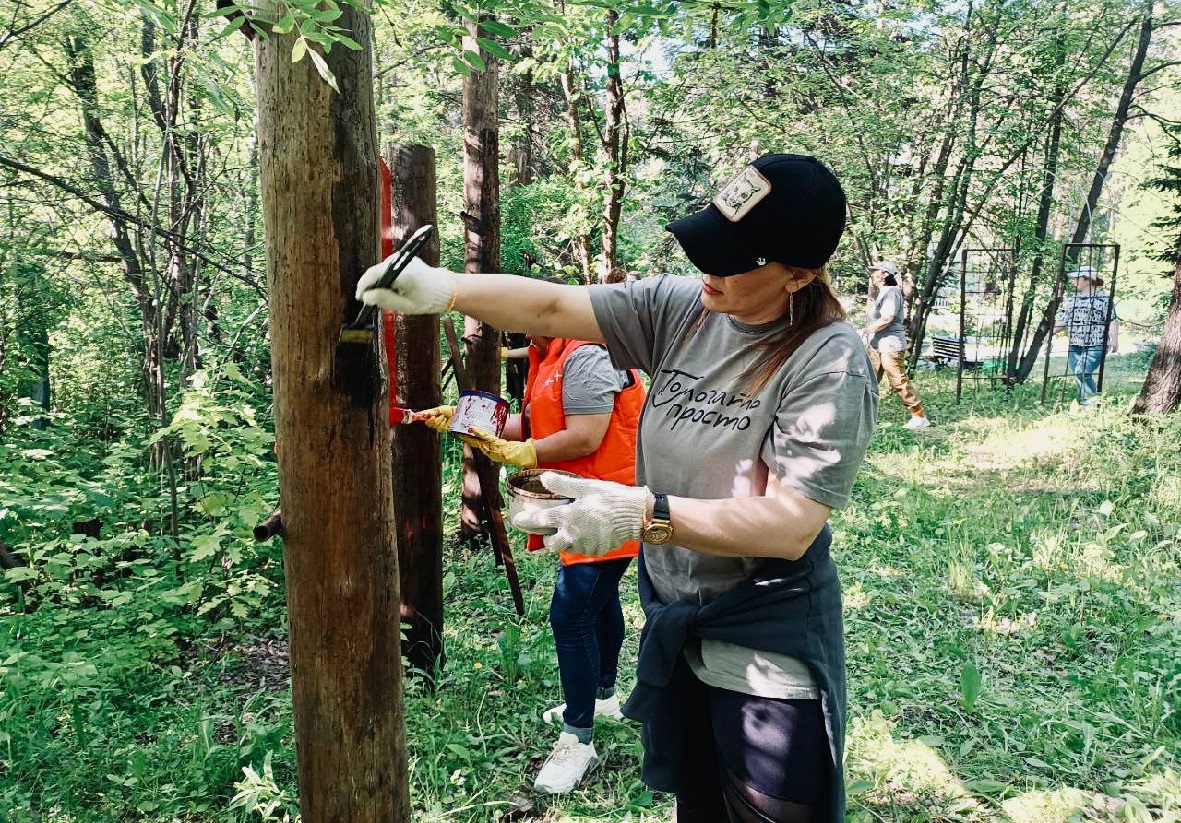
[(504, 352), (438, 418), (513, 452)]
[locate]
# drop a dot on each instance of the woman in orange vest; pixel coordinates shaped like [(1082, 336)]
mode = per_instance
[(580, 414)]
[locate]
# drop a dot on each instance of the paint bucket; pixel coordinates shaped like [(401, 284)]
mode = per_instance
[(525, 494), (479, 410)]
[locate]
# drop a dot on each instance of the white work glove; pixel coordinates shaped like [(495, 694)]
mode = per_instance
[(419, 289), (603, 516)]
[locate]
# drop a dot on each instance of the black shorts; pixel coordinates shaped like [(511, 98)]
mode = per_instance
[(751, 759)]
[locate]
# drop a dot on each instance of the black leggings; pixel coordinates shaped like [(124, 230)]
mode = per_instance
[(751, 759)]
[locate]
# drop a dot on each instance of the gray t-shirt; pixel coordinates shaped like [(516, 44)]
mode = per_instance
[(702, 435), (590, 382), (893, 337)]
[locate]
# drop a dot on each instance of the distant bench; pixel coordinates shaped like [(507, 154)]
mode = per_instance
[(948, 351)]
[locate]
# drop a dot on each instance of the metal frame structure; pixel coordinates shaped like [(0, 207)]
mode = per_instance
[(1095, 254), (989, 290)]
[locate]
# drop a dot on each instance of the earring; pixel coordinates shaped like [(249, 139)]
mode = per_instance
[(791, 308)]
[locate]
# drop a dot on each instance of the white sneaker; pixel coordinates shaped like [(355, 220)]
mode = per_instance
[(567, 764), (918, 421), (607, 707)]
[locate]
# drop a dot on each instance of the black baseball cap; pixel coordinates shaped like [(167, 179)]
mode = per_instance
[(785, 208)]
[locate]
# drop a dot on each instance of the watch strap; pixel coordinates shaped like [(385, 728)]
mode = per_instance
[(660, 509)]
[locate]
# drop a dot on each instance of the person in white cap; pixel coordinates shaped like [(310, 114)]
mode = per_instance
[(885, 339), (1092, 324), (761, 406)]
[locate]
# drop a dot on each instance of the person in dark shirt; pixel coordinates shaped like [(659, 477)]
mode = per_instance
[(1092, 327)]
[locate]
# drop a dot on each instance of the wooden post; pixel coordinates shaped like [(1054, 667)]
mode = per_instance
[(488, 476), (319, 168), (416, 466), (481, 216)]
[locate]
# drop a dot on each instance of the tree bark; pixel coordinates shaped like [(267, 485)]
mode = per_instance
[(581, 241), (1161, 392), (523, 90), (319, 167), (615, 145), (572, 93), (416, 460), (481, 206), (972, 82)]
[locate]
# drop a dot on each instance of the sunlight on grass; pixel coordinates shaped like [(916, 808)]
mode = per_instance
[(856, 596), (1063, 805), (903, 771), (1002, 625)]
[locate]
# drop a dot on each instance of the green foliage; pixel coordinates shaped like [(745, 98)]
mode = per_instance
[(540, 220), (99, 631), (1012, 619), (1169, 184), (1012, 607), (30, 303)]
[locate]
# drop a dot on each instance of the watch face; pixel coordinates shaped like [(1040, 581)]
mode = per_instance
[(658, 533)]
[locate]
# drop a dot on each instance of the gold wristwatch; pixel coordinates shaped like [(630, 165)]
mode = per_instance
[(659, 528)]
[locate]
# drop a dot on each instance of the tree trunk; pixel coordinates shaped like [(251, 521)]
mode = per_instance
[(122, 232), (925, 231), (581, 241), (319, 167), (523, 90), (481, 206), (416, 462), (249, 211), (1161, 392), (1041, 229), (1115, 133), (960, 186), (32, 323), (183, 186), (572, 93), (615, 144), (1086, 215)]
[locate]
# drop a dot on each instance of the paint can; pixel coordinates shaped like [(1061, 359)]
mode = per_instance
[(526, 494), (479, 410)]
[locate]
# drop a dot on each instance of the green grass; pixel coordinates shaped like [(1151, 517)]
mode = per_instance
[(1013, 618)]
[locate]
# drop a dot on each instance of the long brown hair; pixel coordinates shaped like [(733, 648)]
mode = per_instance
[(813, 307)]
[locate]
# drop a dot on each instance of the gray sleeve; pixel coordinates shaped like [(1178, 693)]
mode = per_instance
[(640, 318), (590, 382), (891, 303), (821, 431)]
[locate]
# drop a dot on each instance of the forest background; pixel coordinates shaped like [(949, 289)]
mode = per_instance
[(1023, 561)]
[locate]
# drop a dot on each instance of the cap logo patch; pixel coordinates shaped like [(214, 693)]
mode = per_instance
[(742, 194)]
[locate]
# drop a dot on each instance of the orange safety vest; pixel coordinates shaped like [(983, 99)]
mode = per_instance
[(614, 459)]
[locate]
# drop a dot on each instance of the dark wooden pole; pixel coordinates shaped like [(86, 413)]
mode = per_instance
[(481, 216), (488, 476), (416, 468), (319, 170)]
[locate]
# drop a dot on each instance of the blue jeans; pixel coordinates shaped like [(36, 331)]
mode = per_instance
[(1083, 361), (587, 620)]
